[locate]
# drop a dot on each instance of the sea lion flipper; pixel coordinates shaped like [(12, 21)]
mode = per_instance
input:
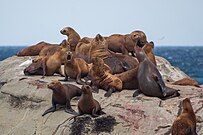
[(78, 79), (51, 109), (157, 79), (68, 109), (136, 93), (94, 113), (109, 92)]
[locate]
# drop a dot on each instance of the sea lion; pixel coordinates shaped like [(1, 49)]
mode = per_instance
[(185, 123), (87, 104), (149, 51), (62, 94), (122, 43), (125, 43), (187, 81), (75, 68), (34, 50), (150, 81), (48, 65), (142, 40), (50, 50), (103, 79), (73, 37)]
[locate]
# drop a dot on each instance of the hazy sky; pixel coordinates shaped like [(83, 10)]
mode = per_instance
[(171, 22)]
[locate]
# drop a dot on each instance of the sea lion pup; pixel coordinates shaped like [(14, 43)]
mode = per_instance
[(73, 37), (150, 81), (149, 51), (103, 79), (34, 50), (187, 81), (87, 104), (75, 68), (49, 65), (62, 95), (185, 123)]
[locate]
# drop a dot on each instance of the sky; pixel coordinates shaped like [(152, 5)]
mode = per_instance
[(171, 22)]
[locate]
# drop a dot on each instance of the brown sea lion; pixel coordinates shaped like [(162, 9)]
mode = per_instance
[(125, 43), (62, 95), (150, 81), (34, 50), (75, 68), (187, 81), (87, 104), (73, 37), (142, 40), (185, 123), (50, 50), (122, 43), (48, 64), (149, 51), (101, 78)]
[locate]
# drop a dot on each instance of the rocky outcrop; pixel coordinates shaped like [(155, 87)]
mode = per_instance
[(23, 99)]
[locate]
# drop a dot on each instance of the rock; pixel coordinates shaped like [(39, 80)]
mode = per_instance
[(168, 72), (23, 99)]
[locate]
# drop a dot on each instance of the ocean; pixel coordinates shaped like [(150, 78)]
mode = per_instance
[(188, 59)]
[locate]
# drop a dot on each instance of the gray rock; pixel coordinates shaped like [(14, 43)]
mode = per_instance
[(23, 99)]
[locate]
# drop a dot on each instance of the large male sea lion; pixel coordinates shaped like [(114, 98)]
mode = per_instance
[(150, 81), (73, 37), (34, 50), (185, 123), (48, 64), (87, 104), (75, 68), (62, 95)]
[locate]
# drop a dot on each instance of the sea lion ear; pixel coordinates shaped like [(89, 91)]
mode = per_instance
[(99, 37)]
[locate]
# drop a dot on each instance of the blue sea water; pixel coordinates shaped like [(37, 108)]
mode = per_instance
[(188, 59)]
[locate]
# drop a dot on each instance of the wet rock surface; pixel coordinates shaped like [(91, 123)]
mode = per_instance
[(23, 99)]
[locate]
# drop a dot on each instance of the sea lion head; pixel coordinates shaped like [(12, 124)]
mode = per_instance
[(140, 54), (148, 47), (97, 61), (34, 69), (142, 38), (98, 66), (54, 85), (186, 104), (66, 31), (69, 55), (86, 89), (98, 40), (65, 46)]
